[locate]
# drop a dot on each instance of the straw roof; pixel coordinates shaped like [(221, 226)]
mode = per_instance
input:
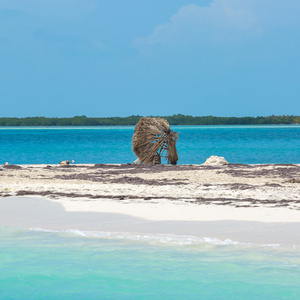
[(153, 139)]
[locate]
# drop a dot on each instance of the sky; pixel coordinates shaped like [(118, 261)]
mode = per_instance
[(100, 58)]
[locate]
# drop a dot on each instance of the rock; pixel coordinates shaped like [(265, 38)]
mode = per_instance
[(215, 160), (294, 180), (64, 162), (12, 167)]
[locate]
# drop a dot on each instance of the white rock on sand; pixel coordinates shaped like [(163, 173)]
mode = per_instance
[(215, 160)]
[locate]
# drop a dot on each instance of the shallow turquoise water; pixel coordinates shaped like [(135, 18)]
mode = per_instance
[(75, 265), (238, 144), (52, 265)]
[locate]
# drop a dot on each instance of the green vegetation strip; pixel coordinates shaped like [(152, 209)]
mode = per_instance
[(132, 120)]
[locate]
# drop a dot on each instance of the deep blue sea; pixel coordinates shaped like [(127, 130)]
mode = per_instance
[(39, 264), (238, 144)]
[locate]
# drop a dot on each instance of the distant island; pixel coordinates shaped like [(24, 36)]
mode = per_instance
[(132, 120)]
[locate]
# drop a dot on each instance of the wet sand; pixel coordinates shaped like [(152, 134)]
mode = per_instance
[(33, 212)]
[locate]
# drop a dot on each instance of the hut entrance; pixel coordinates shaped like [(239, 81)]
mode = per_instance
[(152, 139)]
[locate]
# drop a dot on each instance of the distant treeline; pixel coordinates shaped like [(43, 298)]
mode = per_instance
[(132, 120)]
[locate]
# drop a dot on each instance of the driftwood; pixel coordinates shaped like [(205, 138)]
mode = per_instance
[(153, 139)]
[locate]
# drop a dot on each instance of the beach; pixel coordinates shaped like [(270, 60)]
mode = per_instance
[(149, 150), (245, 203)]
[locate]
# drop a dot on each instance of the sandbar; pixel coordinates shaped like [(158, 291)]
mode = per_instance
[(246, 203)]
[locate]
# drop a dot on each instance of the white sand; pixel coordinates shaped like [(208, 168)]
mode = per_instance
[(162, 210), (237, 186), (246, 203)]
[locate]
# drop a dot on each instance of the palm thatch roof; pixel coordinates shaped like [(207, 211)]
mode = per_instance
[(153, 139)]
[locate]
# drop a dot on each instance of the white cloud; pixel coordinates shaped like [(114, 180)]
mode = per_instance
[(223, 20), (195, 24)]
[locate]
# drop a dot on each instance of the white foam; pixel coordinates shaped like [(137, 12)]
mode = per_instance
[(42, 229), (166, 239)]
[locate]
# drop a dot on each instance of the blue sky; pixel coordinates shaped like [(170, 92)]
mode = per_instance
[(159, 57)]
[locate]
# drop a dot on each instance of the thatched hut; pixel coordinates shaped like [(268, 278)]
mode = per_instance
[(153, 139)]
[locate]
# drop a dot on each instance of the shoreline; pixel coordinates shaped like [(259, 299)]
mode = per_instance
[(44, 214), (245, 203)]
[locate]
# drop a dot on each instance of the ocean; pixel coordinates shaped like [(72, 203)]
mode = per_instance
[(238, 144), (37, 264), (44, 264)]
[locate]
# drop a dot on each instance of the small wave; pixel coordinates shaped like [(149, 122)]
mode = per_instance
[(160, 238), (43, 230), (157, 239)]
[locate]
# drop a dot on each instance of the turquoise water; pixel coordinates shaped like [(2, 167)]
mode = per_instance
[(238, 144), (35, 264), (76, 265)]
